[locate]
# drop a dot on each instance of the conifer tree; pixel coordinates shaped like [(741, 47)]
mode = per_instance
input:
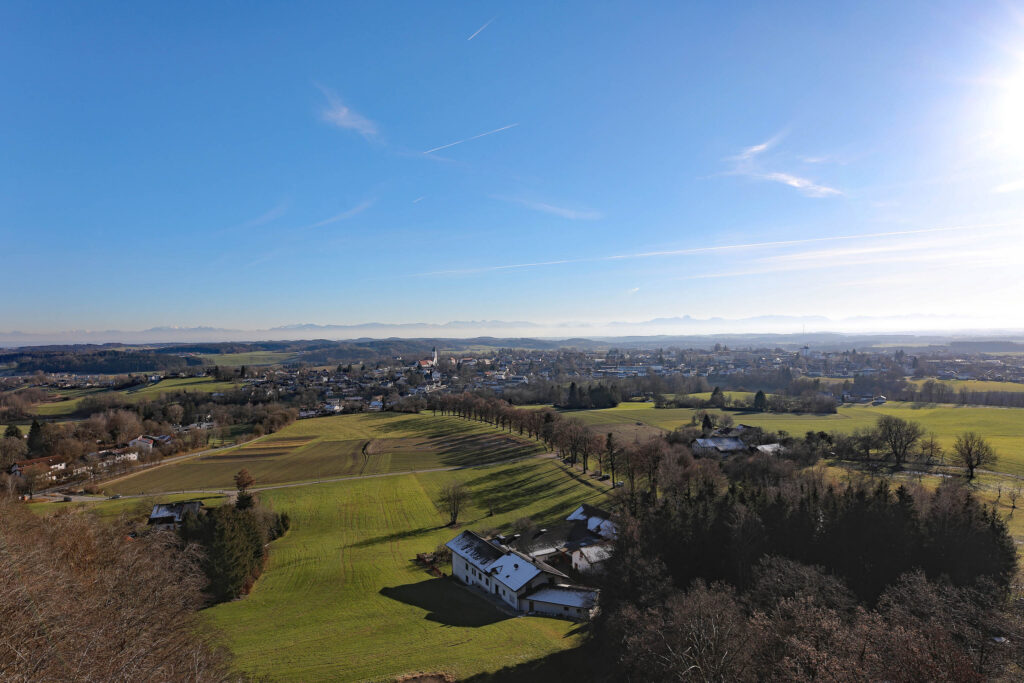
[(35, 438)]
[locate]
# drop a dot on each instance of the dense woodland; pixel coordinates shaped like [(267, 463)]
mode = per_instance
[(84, 600), (724, 578), (757, 568)]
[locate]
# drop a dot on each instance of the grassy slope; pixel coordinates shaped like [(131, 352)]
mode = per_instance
[(342, 599), (251, 358), (74, 397), (1004, 427), (333, 447)]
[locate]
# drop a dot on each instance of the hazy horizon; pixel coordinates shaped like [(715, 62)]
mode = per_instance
[(665, 327)]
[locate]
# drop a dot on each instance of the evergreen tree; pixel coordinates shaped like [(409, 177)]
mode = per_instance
[(760, 401), (35, 438), (12, 432), (574, 396), (717, 398)]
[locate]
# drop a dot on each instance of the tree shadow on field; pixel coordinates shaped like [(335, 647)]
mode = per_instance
[(446, 603), (567, 665), (397, 536)]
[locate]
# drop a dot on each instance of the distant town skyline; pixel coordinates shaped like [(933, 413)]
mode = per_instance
[(197, 165)]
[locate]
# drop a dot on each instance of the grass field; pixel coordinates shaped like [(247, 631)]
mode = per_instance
[(975, 385), (68, 402), (342, 599), (348, 445), (251, 358), (1003, 427)]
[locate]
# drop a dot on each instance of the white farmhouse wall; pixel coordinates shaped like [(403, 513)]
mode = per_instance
[(554, 610)]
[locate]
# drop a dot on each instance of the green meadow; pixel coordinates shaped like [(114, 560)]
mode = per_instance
[(342, 598), (68, 402), (975, 385), (340, 446), (251, 358), (1003, 427)]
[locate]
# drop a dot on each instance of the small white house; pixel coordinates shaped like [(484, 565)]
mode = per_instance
[(590, 558)]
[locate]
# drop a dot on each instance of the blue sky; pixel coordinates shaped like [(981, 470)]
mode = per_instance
[(249, 165)]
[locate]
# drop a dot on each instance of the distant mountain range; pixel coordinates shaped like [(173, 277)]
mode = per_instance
[(461, 329)]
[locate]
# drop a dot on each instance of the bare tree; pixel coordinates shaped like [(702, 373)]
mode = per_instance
[(1013, 495), (243, 480), (972, 451), (931, 450), (135, 603), (453, 498), (899, 435)]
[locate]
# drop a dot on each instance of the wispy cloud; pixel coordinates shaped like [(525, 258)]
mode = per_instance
[(419, 199), (344, 215), (338, 114), (1012, 186), (571, 214), (720, 248), (634, 290), (292, 244), (747, 163), (481, 135), (754, 150), (809, 188), (477, 32)]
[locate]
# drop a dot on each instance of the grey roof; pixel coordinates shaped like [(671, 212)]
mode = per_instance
[(587, 510), (722, 444), (573, 596), (475, 548), (510, 567), (167, 513), (568, 534)]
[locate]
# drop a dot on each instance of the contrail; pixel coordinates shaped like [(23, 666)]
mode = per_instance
[(724, 247), (481, 29), (459, 142)]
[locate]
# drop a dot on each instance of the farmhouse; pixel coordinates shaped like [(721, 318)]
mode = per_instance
[(516, 578)]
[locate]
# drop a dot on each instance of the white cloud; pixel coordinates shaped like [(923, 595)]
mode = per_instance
[(1012, 186), (970, 229), (754, 150), (571, 214), (747, 163), (807, 187), (338, 114)]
